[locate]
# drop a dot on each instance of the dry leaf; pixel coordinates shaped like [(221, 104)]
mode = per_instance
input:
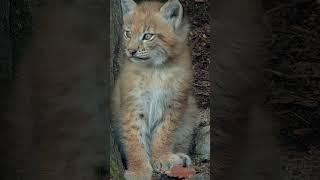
[(181, 172)]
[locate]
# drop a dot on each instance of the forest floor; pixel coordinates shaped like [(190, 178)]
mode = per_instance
[(197, 13)]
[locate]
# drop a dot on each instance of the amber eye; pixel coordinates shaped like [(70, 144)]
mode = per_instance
[(127, 34), (148, 36)]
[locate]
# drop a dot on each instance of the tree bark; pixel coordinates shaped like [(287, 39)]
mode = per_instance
[(116, 166)]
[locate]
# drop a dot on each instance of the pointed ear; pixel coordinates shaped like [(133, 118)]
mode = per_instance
[(172, 12), (127, 6)]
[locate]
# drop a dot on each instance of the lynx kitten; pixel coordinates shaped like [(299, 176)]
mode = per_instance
[(153, 105)]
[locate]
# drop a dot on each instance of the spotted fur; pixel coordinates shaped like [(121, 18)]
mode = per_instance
[(153, 105)]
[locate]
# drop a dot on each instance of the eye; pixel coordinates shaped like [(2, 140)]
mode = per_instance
[(127, 34), (148, 36)]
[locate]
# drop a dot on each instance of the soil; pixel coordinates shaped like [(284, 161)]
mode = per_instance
[(198, 14)]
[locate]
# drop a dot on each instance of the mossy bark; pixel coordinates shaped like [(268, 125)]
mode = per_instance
[(116, 166)]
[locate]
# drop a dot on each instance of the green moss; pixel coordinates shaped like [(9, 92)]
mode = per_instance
[(115, 172)]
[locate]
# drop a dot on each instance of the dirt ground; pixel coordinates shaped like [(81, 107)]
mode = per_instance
[(199, 38)]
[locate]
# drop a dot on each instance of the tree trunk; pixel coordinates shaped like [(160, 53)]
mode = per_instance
[(116, 166)]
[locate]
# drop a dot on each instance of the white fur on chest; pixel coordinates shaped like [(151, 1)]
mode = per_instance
[(152, 102), (153, 98), (152, 105)]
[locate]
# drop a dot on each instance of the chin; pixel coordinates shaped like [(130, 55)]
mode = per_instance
[(149, 61), (138, 60)]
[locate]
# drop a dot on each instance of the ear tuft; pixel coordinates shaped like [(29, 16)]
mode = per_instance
[(128, 6), (172, 12)]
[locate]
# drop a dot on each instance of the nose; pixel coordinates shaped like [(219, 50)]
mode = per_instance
[(132, 51)]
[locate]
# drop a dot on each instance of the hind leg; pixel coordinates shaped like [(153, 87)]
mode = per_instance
[(184, 136), (185, 132), (172, 142)]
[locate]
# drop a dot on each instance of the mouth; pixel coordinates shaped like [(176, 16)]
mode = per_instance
[(136, 58)]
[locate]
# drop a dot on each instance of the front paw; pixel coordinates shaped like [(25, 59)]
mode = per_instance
[(131, 175), (166, 162)]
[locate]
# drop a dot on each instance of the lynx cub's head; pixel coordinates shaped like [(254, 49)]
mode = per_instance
[(153, 32)]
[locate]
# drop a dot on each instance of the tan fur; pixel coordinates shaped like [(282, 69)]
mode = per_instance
[(171, 79)]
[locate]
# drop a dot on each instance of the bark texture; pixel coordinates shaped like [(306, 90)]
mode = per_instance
[(116, 166)]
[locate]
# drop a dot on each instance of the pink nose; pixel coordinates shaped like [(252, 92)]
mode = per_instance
[(132, 51)]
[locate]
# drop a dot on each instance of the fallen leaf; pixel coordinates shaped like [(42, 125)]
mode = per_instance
[(180, 172)]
